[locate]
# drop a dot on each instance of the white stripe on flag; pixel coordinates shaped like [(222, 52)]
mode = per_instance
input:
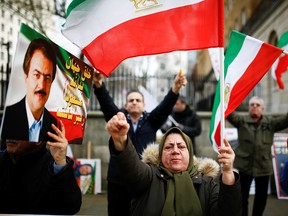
[(122, 10), (242, 61)]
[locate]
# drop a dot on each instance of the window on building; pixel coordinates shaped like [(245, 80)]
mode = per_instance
[(273, 39), (230, 4), (162, 66), (236, 25), (243, 16)]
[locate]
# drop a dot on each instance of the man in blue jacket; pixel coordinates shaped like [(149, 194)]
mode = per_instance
[(143, 128)]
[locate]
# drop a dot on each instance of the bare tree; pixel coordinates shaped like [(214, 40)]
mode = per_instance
[(37, 13)]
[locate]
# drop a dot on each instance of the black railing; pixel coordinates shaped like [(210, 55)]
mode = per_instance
[(122, 81)]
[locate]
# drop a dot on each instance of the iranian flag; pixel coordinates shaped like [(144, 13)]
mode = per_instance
[(246, 61), (110, 31), (281, 64)]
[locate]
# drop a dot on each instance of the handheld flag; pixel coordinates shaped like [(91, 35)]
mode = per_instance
[(109, 31), (246, 61)]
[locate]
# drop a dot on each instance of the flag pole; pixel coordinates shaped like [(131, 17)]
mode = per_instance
[(221, 79), (285, 52)]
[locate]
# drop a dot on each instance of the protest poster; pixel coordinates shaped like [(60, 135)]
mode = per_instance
[(69, 93), (280, 156), (89, 183)]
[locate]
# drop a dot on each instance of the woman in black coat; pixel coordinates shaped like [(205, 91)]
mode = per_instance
[(174, 186)]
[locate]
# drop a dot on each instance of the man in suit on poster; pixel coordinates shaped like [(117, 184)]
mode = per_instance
[(28, 119)]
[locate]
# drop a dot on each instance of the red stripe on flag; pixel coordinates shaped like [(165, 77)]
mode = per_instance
[(253, 74), (74, 131), (196, 26), (217, 135), (281, 68)]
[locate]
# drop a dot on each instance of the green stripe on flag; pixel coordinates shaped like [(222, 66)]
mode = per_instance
[(215, 107), (283, 41), (72, 5), (29, 33), (236, 42)]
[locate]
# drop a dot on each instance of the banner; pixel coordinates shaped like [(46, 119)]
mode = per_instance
[(280, 162), (89, 183), (69, 93)]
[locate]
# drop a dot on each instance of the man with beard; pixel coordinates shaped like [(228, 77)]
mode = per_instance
[(143, 128)]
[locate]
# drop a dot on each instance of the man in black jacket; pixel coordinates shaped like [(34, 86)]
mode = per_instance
[(38, 180), (143, 128), (168, 181), (184, 118)]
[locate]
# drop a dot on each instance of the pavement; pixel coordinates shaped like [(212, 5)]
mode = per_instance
[(97, 205)]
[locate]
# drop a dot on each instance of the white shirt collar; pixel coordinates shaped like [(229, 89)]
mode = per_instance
[(30, 116)]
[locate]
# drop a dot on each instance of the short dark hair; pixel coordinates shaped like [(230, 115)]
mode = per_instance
[(46, 48), (134, 90)]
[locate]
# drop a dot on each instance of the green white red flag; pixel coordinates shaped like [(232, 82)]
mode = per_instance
[(110, 31), (246, 61), (281, 64)]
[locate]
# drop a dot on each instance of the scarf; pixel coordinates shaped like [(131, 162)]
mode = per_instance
[(181, 196)]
